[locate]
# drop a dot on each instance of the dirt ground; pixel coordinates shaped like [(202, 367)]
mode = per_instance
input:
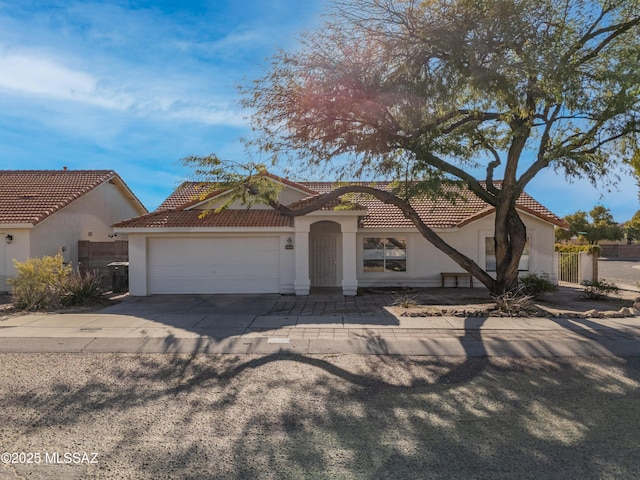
[(570, 298), (319, 417), (566, 300)]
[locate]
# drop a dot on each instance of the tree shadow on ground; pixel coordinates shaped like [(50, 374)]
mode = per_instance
[(332, 416)]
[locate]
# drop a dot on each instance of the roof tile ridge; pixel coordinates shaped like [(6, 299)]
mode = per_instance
[(306, 199), (108, 175), (291, 183), (547, 215), (145, 216), (201, 199), (53, 170)]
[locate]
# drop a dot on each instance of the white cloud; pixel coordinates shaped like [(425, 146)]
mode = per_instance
[(133, 86), (35, 75), (32, 74), (211, 116)]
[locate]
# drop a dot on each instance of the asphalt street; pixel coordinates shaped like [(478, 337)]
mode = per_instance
[(621, 272)]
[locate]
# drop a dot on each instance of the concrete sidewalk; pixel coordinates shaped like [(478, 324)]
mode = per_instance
[(165, 326)]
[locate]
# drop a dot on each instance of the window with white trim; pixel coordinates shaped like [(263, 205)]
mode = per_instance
[(382, 254), (490, 256)]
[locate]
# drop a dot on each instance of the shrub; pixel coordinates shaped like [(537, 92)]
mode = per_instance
[(406, 301), (81, 289), (515, 303), (598, 289), (47, 283), (590, 249), (536, 285), (38, 282)]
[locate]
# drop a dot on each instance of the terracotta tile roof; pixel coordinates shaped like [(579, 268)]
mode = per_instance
[(190, 193), (30, 196), (291, 183), (435, 213), (185, 193), (191, 219), (326, 187), (331, 205)]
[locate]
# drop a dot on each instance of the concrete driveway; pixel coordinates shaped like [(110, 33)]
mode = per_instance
[(316, 324), (256, 304)]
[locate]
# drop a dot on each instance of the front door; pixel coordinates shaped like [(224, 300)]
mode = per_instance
[(324, 260)]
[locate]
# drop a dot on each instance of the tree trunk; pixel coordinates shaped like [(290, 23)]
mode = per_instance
[(510, 233), (510, 238)]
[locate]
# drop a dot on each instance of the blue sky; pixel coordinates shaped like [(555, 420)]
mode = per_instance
[(136, 85)]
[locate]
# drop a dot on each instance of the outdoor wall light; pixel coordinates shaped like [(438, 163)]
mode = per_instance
[(289, 245), (8, 238)]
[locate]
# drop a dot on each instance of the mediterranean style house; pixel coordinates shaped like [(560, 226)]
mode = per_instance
[(176, 249)]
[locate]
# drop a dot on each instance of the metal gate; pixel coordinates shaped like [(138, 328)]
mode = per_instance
[(569, 267)]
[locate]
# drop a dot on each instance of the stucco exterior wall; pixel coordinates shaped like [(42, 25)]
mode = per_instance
[(18, 248), (425, 262), (88, 218), (287, 265), (138, 265)]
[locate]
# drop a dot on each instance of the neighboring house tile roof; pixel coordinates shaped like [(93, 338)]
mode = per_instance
[(435, 213), (192, 218), (30, 196)]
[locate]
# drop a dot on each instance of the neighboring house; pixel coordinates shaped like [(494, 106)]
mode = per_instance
[(45, 212), (258, 250)]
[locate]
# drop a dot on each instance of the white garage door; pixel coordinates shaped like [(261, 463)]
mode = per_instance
[(214, 265)]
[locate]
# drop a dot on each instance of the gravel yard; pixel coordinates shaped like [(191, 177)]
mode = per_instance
[(341, 416)]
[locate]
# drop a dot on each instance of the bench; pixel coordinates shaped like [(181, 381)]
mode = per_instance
[(456, 276)]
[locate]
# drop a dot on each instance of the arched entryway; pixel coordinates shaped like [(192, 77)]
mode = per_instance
[(330, 257), (325, 254)]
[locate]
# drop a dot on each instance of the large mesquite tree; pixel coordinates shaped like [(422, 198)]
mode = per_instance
[(430, 91)]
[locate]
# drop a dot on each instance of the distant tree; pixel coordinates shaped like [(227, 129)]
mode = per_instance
[(603, 226), (598, 225), (578, 224), (634, 162), (632, 228), (428, 92)]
